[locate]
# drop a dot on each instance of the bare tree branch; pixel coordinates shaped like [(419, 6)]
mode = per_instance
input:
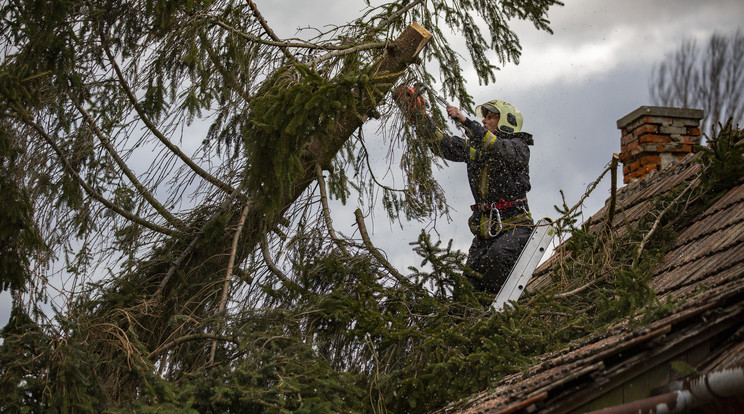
[(88, 189), (268, 30), (271, 265), (588, 192), (613, 190), (335, 50), (228, 274), (278, 43), (153, 128), (188, 338), (348, 51), (125, 169), (376, 253), (709, 78), (327, 211)]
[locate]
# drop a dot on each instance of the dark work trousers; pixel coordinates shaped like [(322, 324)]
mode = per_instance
[(494, 258)]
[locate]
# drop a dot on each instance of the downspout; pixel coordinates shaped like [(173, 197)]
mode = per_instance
[(696, 392)]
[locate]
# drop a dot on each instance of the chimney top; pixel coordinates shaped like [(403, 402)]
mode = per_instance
[(660, 111), (654, 137)]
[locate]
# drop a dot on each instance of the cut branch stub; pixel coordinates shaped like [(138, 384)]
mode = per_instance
[(398, 56)]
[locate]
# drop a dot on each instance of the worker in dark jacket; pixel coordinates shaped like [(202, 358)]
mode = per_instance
[(497, 156)]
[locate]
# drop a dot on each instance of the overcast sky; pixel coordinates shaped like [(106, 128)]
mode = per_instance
[(571, 87)]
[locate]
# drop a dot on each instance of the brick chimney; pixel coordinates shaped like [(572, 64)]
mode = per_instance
[(654, 137)]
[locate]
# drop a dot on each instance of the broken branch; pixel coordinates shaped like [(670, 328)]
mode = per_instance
[(376, 253), (327, 211)]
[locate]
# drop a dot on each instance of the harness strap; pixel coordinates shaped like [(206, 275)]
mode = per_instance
[(498, 226), (499, 205)]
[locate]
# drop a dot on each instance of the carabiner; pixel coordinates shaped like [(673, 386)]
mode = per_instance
[(490, 222)]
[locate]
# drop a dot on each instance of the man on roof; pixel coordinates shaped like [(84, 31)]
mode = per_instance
[(497, 155)]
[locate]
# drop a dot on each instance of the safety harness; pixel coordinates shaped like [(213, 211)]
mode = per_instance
[(491, 228)]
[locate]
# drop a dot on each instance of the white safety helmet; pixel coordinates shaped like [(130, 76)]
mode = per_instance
[(510, 120)]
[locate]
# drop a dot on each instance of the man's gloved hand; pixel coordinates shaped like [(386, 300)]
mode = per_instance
[(454, 113), (410, 101)]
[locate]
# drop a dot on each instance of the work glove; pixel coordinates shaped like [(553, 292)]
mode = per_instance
[(411, 102)]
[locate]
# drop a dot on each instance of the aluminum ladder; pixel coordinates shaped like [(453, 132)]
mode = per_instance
[(528, 260)]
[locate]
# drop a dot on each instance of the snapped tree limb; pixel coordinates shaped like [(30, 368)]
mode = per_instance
[(402, 52)]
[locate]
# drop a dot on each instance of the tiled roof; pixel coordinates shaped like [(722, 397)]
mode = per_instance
[(704, 270)]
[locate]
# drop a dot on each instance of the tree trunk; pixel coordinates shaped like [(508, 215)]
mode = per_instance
[(190, 280), (398, 56)]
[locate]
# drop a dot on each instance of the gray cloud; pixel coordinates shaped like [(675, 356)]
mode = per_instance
[(572, 87)]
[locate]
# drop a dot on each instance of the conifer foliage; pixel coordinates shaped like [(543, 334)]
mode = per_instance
[(164, 243)]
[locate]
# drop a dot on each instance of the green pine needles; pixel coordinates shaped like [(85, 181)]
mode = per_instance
[(201, 271), (293, 109)]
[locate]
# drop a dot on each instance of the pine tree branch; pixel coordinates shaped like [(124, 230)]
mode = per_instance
[(327, 211), (88, 189), (125, 169), (398, 13), (188, 338), (657, 222), (349, 50), (221, 68), (272, 266), (153, 128), (376, 253), (228, 274), (268, 30)]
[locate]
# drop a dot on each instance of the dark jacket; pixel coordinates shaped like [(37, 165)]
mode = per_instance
[(497, 165)]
